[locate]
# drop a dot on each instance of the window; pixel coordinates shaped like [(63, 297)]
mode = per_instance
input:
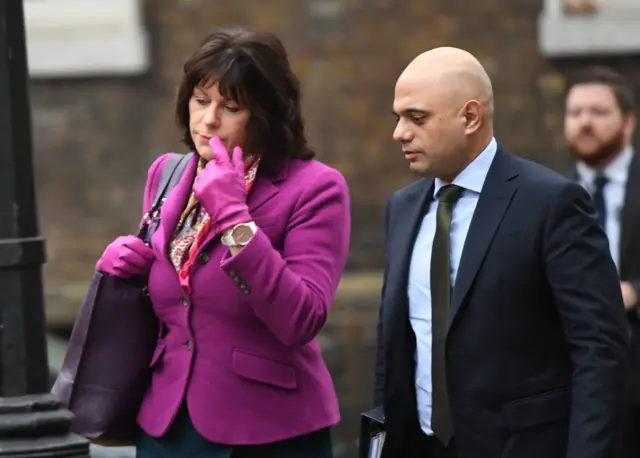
[(79, 38), (582, 27)]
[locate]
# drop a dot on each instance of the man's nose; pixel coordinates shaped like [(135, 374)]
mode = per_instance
[(585, 126), (401, 134)]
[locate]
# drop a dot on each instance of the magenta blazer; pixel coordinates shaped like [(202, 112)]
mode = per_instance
[(241, 350)]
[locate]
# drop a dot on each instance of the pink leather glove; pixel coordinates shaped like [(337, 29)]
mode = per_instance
[(220, 188), (126, 257)]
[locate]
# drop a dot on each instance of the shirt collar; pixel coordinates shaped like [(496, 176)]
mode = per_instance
[(617, 171), (473, 176)]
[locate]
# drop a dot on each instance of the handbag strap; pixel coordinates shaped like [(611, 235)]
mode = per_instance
[(172, 171)]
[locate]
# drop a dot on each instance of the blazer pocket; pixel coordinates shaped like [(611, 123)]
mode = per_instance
[(534, 410), (261, 369)]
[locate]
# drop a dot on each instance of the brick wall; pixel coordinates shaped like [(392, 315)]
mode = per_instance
[(94, 138)]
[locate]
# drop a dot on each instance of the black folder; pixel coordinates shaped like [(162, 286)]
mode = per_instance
[(372, 433)]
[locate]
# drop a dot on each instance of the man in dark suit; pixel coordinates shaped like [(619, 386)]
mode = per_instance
[(502, 330), (599, 124)]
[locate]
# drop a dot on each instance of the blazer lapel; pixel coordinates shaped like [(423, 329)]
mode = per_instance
[(262, 191), (630, 218), (405, 229), (266, 187), (495, 197), (173, 206)]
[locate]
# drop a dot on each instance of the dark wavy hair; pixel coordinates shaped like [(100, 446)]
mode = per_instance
[(252, 69)]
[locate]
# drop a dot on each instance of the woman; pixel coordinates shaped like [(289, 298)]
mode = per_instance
[(243, 267)]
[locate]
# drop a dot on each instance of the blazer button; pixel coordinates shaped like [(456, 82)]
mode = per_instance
[(204, 258), (188, 345), (185, 301)]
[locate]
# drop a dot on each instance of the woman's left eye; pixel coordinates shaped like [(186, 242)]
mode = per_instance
[(232, 109)]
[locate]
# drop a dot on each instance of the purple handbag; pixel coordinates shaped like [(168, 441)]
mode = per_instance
[(105, 372)]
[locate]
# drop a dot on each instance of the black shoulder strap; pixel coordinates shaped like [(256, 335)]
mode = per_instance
[(172, 171)]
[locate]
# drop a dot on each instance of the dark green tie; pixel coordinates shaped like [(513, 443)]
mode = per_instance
[(440, 303)]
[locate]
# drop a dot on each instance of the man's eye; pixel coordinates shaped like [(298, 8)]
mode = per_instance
[(601, 112)]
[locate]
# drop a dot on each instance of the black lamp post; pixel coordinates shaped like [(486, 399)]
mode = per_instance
[(32, 422)]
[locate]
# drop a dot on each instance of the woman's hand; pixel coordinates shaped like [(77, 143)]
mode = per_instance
[(220, 188), (126, 257)]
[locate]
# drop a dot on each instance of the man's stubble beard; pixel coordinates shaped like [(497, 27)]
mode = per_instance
[(604, 154)]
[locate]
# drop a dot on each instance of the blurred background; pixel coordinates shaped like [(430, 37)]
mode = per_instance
[(104, 75)]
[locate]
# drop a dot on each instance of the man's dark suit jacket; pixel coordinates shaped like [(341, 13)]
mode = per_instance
[(537, 343), (630, 263)]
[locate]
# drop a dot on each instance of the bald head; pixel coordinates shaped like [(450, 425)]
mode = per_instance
[(444, 106), (455, 74)]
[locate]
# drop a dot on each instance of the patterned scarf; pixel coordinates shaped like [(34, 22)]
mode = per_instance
[(195, 225)]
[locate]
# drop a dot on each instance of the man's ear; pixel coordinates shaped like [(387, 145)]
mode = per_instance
[(473, 113)]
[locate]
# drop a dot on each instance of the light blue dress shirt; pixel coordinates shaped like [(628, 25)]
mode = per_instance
[(419, 289), (614, 195)]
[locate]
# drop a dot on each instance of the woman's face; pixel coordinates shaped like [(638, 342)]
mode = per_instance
[(212, 115)]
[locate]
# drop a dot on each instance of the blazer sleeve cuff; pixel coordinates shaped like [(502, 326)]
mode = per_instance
[(242, 267)]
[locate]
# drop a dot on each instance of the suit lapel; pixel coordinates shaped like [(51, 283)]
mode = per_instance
[(172, 208), (403, 229), (408, 219), (495, 197), (631, 209)]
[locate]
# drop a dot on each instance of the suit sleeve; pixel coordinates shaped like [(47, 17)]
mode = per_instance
[(586, 288), (380, 367), (292, 292)]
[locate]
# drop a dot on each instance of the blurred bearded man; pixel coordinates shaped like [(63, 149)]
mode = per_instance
[(599, 124)]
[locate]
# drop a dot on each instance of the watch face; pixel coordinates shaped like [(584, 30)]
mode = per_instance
[(242, 234)]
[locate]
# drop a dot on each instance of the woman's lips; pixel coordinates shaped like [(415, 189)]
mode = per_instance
[(207, 138)]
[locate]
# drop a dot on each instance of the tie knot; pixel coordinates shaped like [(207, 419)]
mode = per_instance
[(599, 182), (450, 193)]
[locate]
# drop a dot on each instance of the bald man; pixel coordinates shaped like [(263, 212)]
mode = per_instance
[(502, 330)]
